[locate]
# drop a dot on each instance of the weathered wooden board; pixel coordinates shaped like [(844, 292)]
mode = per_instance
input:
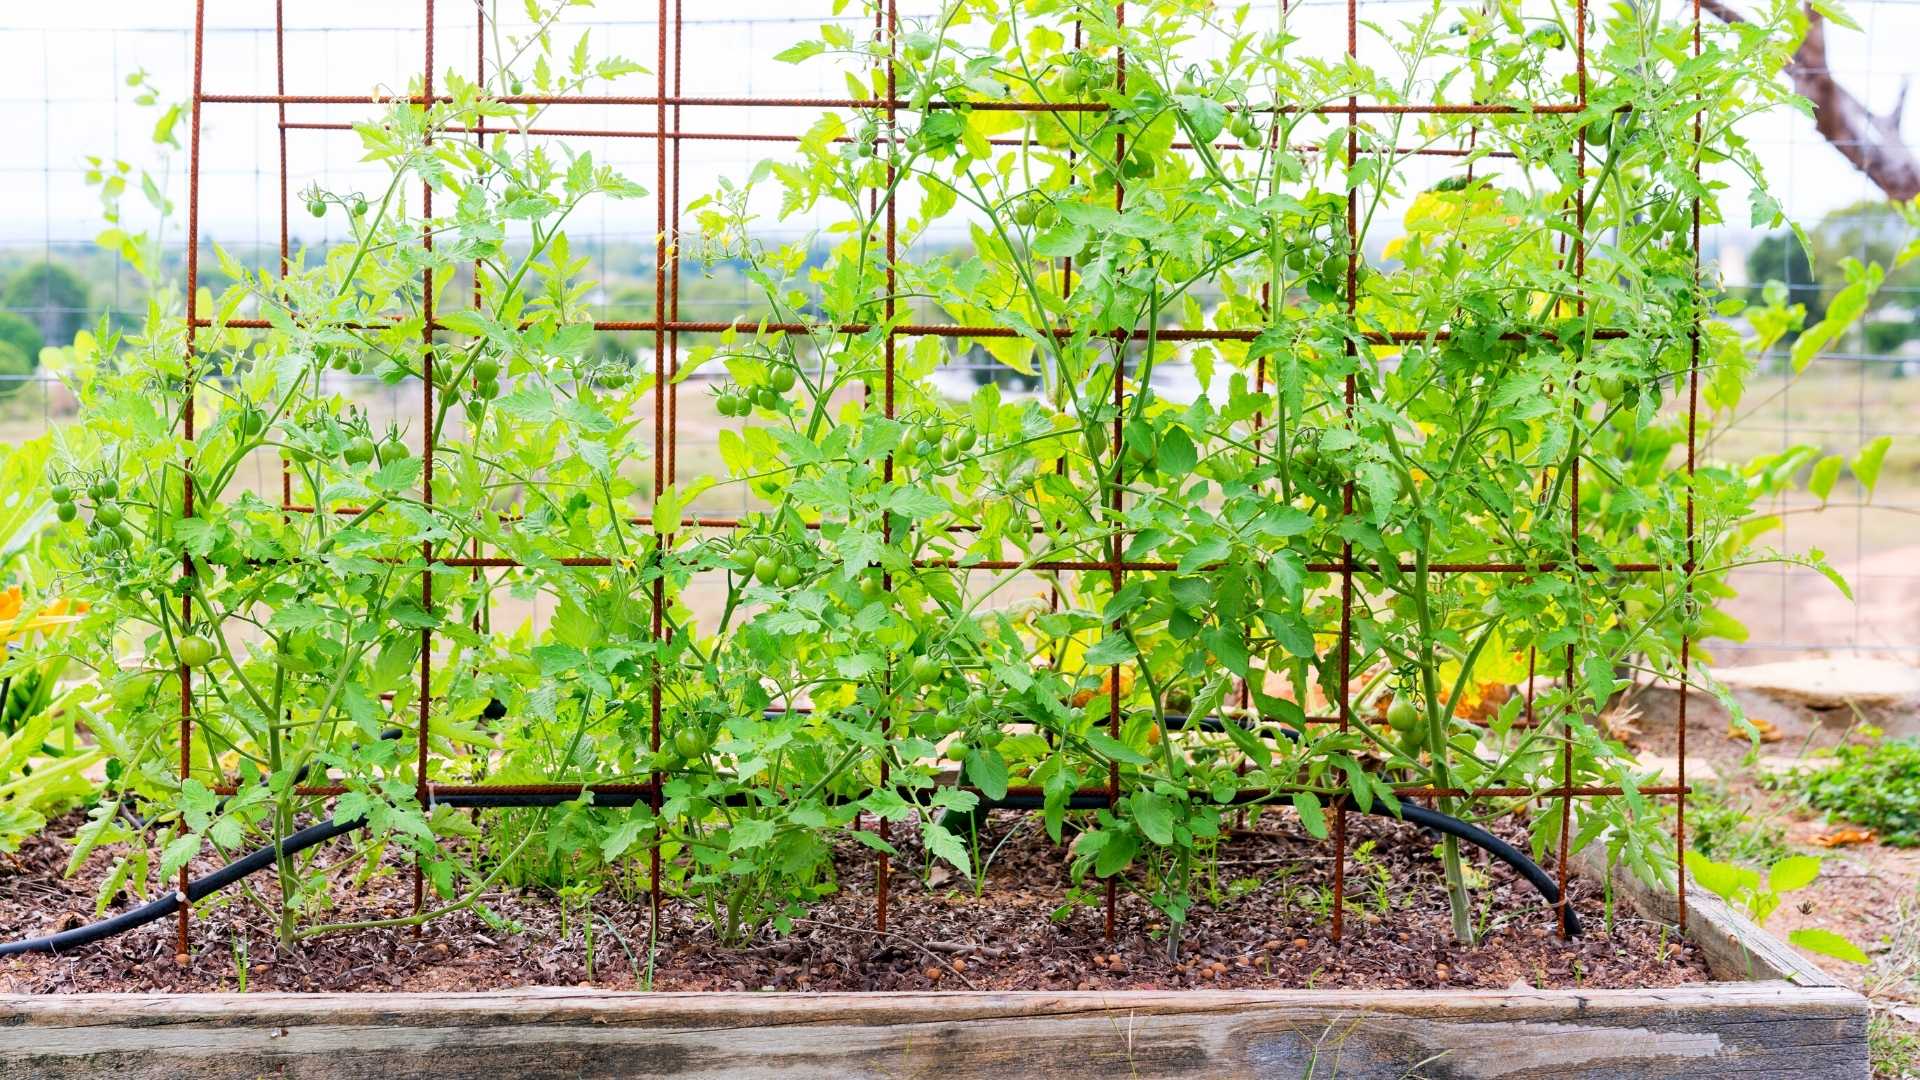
[(1748, 1030)]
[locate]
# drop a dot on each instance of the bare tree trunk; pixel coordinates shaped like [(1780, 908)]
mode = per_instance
[(1871, 143)]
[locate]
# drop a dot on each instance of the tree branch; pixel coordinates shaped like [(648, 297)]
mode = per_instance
[(1871, 143)]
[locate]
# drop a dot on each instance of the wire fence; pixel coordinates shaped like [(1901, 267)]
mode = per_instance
[(65, 95)]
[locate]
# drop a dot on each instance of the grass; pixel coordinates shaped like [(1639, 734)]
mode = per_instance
[(1876, 785), (1893, 1046), (1736, 827)]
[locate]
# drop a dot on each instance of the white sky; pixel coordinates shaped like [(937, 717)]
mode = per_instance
[(62, 96)]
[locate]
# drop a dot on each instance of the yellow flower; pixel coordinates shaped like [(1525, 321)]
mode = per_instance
[(56, 614)]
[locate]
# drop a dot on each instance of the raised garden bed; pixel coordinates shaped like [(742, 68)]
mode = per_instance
[(1368, 529), (1735, 1002)]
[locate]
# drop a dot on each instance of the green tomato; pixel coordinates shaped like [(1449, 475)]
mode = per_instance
[(1073, 81), (924, 671), (781, 379), (965, 439), (360, 450), (60, 493), (765, 397), (107, 515), (788, 577), (487, 389), (516, 88), (391, 451), (690, 743), (1097, 440), (1025, 213), (103, 489), (66, 511), (486, 368), (766, 569), (871, 586), (194, 650), (1402, 716), (252, 422), (359, 206), (317, 207)]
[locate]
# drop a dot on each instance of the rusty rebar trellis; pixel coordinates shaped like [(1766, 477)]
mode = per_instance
[(666, 327)]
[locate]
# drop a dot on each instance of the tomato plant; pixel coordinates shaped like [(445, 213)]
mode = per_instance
[(1395, 376)]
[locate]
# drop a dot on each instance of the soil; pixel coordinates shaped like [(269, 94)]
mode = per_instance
[(1266, 927)]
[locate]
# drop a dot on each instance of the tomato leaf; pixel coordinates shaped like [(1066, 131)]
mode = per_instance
[(1827, 943)]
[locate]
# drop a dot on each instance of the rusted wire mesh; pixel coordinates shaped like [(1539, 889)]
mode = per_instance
[(667, 327)]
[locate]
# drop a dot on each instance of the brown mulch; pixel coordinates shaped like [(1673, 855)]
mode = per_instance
[(1260, 921)]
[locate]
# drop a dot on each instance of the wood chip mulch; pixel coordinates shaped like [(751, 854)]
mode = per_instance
[(1260, 921)]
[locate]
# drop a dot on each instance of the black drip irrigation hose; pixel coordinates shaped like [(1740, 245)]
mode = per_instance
[(197, 889), (313, 835)]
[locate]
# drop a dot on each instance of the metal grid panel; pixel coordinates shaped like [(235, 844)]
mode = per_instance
[(666, 326)]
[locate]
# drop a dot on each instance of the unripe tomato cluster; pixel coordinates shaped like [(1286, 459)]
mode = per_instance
[(485, 386), (768, 561), (1085, 75), (109, 531), (769, 392), (339, 359), (356, 204), (351, 442), (1243, 129), (1403, 716), (1313, 469), (472, 385), (1033, 209), (933, 440)]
